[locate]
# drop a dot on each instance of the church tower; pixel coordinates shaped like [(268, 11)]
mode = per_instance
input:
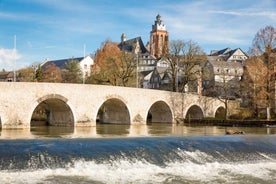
[(159, 38)]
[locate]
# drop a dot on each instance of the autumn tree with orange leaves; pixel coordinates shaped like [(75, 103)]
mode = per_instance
[(113, 66)]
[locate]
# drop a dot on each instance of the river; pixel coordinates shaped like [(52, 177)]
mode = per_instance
[(159, 153)]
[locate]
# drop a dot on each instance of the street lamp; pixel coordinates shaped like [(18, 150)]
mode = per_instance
[(14, 57), (137, 62), (176, 78)]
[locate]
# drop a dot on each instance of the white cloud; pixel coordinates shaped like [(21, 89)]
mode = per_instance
[(243, 12), (8, 58)]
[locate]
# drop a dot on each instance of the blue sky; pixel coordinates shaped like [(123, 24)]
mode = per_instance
[(58, 29)]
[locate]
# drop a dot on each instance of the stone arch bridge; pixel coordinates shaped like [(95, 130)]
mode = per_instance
[(84, 105)]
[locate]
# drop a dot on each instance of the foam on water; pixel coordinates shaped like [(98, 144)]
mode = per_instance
[(143, 160), (141, 171)]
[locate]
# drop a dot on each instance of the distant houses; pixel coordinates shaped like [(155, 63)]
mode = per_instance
[(7, 76), (225, 72), (85, 63)]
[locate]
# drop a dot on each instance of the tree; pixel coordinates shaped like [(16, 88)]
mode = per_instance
[(104, 67), (193, 62), (51, 73), (264, 38), (72, 72), (26, 74), (253, 85), (270, 61), (263, 46), (112, 66), (186, 59), (38, 73), (227, 82), (126, 67)]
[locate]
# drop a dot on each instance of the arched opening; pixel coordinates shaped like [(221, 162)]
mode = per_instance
[(113, 111), (220, 112), (52, 112), (159, 112), (194, 112)]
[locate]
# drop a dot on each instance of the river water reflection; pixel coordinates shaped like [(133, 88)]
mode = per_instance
[(154, 154), (109, 130)]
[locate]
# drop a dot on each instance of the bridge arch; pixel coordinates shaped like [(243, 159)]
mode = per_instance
[(113, 111), (159, 112), (52, 110), (194, 112), (220, 112)]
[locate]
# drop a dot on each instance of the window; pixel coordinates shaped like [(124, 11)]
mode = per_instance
[(85, 66)]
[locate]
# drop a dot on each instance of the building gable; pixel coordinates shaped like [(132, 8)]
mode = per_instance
[(237, 55)]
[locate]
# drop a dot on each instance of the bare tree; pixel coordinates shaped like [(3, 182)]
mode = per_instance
[(192, 63), (172, 59), (186, 61), (264, 38), (126, 67)]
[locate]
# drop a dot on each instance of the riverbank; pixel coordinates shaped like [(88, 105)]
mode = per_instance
[(232, 123)]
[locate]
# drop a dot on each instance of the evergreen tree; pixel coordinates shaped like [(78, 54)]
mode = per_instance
[(72, 72)]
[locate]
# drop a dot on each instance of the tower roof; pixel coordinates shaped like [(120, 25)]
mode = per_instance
[(158, 24)]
